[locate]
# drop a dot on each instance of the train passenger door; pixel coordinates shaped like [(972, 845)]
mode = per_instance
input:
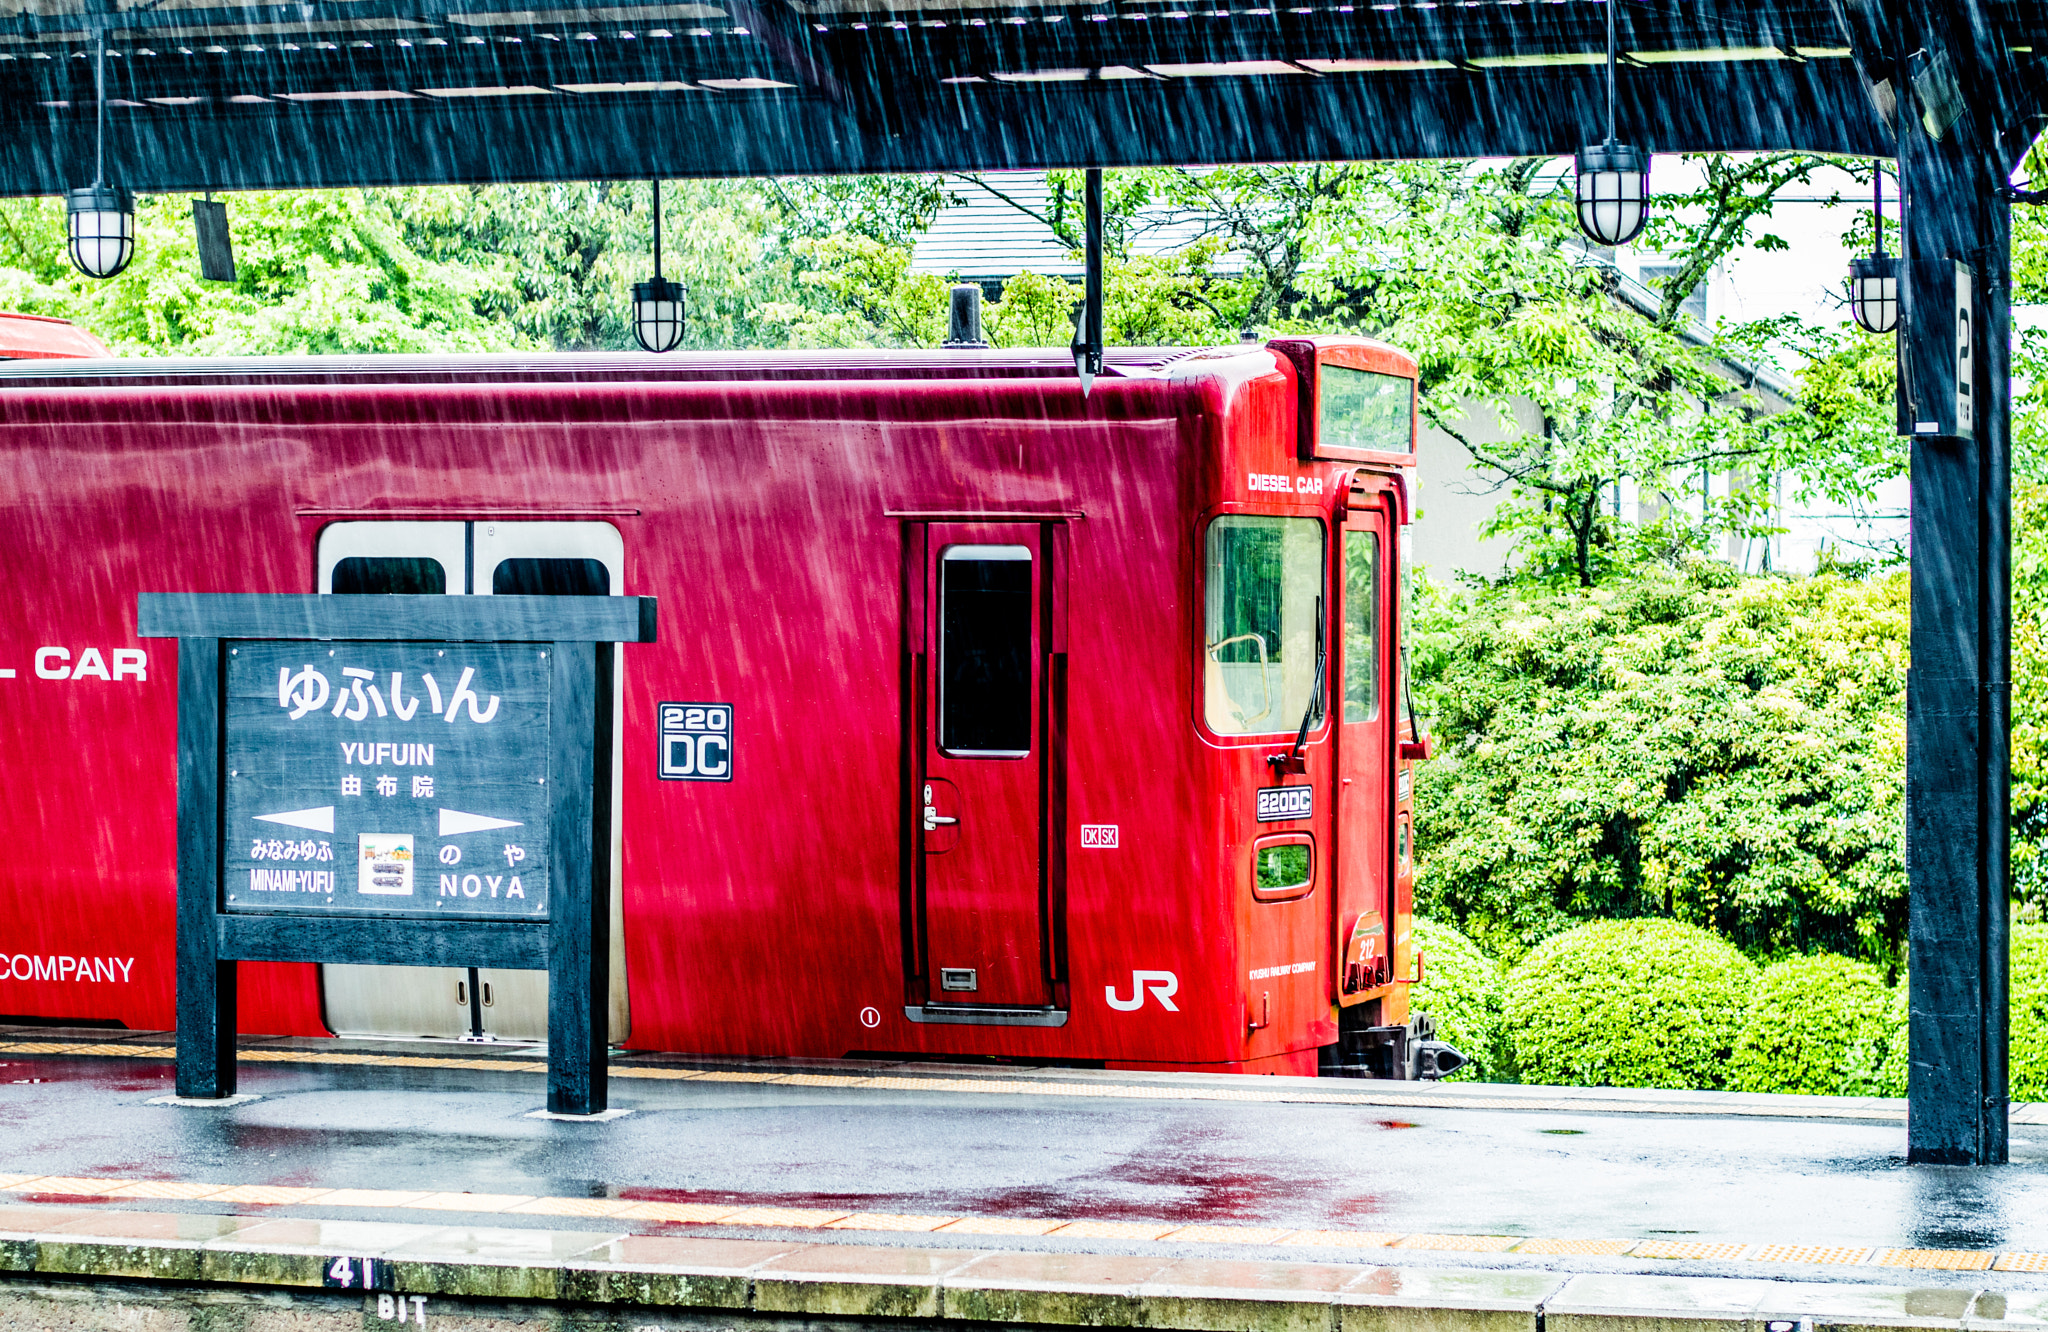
[(1364, 872), (980, 781), (480, 558)]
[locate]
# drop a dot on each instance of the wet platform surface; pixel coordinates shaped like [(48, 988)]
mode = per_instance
[(1041, 1160)]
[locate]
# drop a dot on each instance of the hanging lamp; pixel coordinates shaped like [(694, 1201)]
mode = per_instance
[(1613, 178), (658, 306), (100, 218), (1874, 281)]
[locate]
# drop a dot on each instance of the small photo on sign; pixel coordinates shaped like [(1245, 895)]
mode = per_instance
[(384, 864)]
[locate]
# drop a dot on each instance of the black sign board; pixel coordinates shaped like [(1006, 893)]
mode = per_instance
[(405, 780), (387, 779)]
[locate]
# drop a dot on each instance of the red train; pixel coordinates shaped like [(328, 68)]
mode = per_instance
[(989, 719)]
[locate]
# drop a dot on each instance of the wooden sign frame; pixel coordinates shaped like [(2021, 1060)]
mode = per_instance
[(573, 945)]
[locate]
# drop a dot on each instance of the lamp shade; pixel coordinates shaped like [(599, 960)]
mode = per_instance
[(1874, 292), (101, 222), (1613, 192), (658, 315)]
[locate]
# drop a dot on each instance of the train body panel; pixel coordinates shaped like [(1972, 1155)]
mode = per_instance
[(1011, 681)]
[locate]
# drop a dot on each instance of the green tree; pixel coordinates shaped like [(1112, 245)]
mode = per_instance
[(465, 269), (337, 271), (1719, 750)]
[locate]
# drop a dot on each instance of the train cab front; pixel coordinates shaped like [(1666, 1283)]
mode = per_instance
[(1302, 706)]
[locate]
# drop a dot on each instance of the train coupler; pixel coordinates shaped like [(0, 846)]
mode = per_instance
[(1406, 1053)]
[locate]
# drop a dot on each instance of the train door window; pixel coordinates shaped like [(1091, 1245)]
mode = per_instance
[(551, 578), (407, 558), (407, 575), (1361, 625), (1263, 596), (985, 647)]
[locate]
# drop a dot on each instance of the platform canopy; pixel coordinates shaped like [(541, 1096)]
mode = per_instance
[(343, 92)]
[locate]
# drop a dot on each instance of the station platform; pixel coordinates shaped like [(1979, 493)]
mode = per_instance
[(754, 1193)]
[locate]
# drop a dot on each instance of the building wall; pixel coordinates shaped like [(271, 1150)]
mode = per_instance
[(1454, 498)]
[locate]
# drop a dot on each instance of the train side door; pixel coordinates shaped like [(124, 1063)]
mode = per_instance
[(1364, 871), (480, 558), (980, 781)]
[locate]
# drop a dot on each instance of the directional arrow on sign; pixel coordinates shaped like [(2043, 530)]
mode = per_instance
[(454, 821), (313, 820)]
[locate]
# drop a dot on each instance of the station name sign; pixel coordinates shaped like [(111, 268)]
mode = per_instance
[(368, 778)]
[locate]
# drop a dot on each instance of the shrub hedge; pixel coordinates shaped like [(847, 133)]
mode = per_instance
[(1628, 1003), (1819, 1025), (1461, 989), (2029, 986)]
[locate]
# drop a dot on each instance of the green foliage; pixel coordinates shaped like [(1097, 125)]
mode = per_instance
[(1628, 1003), (341, 271), (1818, 1025), (1722, 750), (1035, 311), (2029, 988), (2029, 755), (871, 297), (480, 269), (1891, 1067), (1461, 989)]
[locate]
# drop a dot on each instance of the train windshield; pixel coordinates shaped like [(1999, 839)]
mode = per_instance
[(1263, 576), (1362, 410)]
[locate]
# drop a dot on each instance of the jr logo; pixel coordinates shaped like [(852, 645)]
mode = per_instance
[(1163, 985)]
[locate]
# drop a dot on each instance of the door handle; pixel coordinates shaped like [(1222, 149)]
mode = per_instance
[(933, 820)]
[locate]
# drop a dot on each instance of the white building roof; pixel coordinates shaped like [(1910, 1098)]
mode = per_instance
[(991, 233)]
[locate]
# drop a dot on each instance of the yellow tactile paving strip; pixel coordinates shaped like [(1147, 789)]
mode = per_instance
[(77, 1188), (1012, 1086), (1809, 1253)]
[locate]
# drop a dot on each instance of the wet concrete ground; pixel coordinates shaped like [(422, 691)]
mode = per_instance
[(1565, 1174)]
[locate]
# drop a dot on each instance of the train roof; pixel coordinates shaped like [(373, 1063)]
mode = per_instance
[(633, 367), (44, 337)]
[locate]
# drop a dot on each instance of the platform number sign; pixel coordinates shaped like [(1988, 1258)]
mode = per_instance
[(1966, 354), (354, 1274), (696, 742)]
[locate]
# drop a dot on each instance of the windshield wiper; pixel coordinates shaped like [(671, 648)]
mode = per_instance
[(1296, 759)]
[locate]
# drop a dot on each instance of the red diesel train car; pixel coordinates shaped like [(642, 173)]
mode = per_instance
[(989, 718)]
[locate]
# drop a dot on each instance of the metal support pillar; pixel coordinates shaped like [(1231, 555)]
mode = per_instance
[(1088, 325), (1957, 714)]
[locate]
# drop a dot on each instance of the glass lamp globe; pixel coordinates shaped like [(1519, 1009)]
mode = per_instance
[(1613, 192), (101, 225), (1874, 292), (658, 315)]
